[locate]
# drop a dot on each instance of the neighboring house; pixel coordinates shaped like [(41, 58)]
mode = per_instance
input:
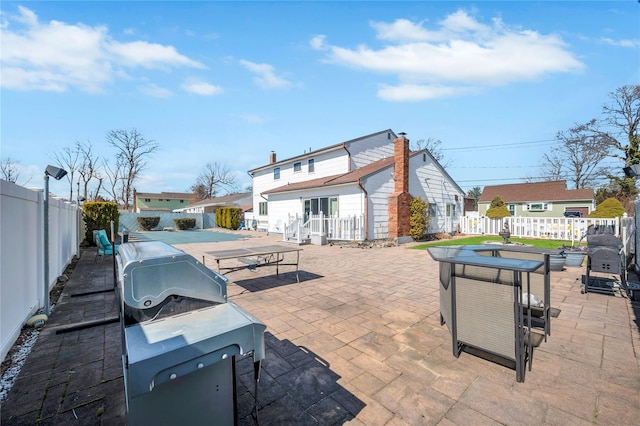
[(543, 199), (243, 200), (164, 201), (370, 178)]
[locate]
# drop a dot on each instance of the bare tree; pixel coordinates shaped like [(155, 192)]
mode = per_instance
[(9, 170), (88, 168), (579, 156), (434, 146), (623, 116), (67, 158), (133, 149), (213, 178), (114, 176)]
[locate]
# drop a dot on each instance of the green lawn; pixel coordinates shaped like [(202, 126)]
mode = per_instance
[(481, 239)]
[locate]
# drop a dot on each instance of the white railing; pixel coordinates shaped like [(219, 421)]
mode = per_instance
[(556, 228), (295, 230), (22, 254), (350, 228)]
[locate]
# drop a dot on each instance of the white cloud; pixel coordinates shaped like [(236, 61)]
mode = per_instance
[(155, 91), (265, 75), (149, 55), (201, 87), (56, 56), (622, 43), (413, 92), (460, 55), (318, 42)]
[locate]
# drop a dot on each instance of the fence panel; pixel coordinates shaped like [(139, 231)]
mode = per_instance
[(22, 254), (557, 228)]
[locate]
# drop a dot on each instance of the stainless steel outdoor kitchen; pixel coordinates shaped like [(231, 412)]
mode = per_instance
[(180, 338)]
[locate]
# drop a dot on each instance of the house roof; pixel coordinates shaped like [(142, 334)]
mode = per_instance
[(329, 148), (341, 179), (165, 195), (535, 191), (225, 200)]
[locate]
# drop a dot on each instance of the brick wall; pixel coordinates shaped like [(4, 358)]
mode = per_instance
[(399, 201)]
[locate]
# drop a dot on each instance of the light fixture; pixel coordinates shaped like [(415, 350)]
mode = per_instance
[(632, 170), (57, 173)]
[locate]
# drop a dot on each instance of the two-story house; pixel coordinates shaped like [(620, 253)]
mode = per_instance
[(369, 177), (241, 200), (163, 201), (542, 199)]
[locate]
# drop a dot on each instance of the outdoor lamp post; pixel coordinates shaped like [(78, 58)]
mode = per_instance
[(57, 174)]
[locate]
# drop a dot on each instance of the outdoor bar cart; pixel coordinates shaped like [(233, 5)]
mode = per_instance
[(487, 304), (180, 338)]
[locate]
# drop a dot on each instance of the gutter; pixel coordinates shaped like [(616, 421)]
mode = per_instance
[(366, 209)]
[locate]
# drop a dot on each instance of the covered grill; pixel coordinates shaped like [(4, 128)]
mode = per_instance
[(180, 337), (605, 254)]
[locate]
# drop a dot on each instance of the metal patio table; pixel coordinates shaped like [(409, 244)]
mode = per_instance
[(481, 302)]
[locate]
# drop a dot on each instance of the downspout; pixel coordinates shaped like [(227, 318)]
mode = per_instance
[(366, 209), (344, 145)]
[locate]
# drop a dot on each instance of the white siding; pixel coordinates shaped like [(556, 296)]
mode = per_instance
[(281, 206), (325, 164), (437, 189), (374, 148), (379, 187)]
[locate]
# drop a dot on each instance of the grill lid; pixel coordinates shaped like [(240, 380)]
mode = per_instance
[(152, 271)]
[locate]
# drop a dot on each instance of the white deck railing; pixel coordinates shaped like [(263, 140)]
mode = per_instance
[(349, 228), (556, 228)]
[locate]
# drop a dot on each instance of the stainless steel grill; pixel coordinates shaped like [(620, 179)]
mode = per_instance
[(180, 337)]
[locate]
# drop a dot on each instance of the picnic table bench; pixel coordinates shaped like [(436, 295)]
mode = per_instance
[(254, 257)]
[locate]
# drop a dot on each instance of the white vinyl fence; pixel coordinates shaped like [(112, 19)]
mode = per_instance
[(556, 228), (22, 254)]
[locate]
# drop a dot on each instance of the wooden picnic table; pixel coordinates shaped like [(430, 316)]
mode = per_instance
[(254, 257)]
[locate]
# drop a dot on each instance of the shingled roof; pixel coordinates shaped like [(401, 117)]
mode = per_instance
[(536, 191)]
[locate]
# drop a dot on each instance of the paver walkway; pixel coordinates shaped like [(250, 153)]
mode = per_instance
[(358, 341)]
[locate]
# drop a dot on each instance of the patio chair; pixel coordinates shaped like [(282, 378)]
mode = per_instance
[(104, 245)]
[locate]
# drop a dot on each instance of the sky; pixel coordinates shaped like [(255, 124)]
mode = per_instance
[(229, 82)]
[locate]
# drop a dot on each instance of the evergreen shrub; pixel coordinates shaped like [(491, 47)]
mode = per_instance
[(185, 223), (419, 219), (609, 208), (147, 223), (229, 217), (98, 215)]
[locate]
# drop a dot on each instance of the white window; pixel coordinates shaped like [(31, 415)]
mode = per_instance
[(537, 207), (512, 209), (297, 166), (311, 165), (262, 207), (276, 173)]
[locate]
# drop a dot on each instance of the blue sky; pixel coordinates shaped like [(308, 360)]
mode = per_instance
[(228, 82)]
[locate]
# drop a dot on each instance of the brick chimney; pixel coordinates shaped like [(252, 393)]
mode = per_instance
[(272, 157), (400, 200)]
